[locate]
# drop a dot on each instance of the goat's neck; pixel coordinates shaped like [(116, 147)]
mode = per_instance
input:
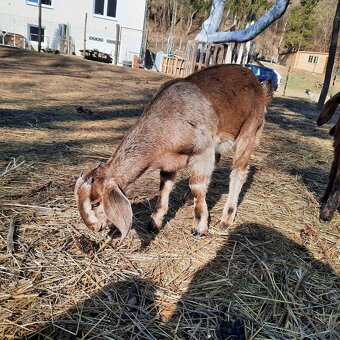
[(128, 163)]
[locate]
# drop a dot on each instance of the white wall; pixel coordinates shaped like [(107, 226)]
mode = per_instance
[(16, 15)]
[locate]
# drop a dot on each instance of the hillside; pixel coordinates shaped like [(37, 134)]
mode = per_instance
[(170, 24)]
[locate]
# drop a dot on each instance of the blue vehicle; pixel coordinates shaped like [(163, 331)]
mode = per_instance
[(263, 73)]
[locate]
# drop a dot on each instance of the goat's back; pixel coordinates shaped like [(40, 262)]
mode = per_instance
[(190, 113), (234, 92)]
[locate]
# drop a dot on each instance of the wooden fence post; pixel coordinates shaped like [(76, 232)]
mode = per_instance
[(286, 83), (39, 27), (117, 43), (85, 24)]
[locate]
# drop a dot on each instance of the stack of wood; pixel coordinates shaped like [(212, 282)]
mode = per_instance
[(97, 56), (50, 50)]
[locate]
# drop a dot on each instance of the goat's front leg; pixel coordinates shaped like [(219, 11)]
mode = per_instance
[(199, 187), (331, 179), (162, 205), (333, 201), (189, 197)]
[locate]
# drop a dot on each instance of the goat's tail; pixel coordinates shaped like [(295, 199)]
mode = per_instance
[(268, 91), (328, 109)]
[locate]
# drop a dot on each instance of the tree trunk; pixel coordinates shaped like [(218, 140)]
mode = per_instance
[(173, 24), (331, 57), (190, 21), (282, 35)]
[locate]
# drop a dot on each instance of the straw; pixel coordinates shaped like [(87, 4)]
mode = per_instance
[(275, 270)]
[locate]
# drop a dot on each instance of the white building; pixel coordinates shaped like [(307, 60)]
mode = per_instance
[(63, 23)]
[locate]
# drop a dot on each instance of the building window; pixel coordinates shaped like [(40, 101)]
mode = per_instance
[(43, 2), (105, 8), (34, 33), (313, 59)]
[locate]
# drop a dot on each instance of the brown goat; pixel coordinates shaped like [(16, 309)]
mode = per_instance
[(331, 197), (187, 122)]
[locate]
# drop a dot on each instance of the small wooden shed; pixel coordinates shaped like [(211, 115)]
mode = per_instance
[(305, 60)]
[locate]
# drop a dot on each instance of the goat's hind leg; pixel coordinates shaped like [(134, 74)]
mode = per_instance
[(244, 148), (237, 178), (202, 168), (166, 184)]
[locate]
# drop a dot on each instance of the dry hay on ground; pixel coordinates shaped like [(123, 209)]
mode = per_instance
[(273, 277)]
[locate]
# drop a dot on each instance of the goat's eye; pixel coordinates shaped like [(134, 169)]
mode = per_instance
[(95, 205)]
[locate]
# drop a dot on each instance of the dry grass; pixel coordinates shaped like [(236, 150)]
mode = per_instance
[(275, 274)]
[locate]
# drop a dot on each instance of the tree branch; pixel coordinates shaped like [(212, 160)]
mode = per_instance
[(212, 24), (249, 33), (10, 236), (12, 165)]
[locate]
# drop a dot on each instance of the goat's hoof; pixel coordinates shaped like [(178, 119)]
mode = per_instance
[(152, 226), (326, 215), (324, 198), (196, 232), (223, 230), (224, 226)]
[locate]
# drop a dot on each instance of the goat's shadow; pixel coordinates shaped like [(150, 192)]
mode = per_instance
[(259, 282), (219, 185)]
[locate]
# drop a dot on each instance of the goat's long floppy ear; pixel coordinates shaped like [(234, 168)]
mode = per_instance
[(328, 109), (80, 181), (117, 208)]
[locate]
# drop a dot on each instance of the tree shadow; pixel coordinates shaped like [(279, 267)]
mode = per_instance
[(264, 281), (314, 178), (48, 151), (304, 120), (128, 306), (43, 117), (308, 157), (260, 283)]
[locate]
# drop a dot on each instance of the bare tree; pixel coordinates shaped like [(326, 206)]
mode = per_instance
[(190, 19), (331, 57), (210, 27), (326, 11)]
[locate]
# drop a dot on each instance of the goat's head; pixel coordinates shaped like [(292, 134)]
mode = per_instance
[(101, 203)]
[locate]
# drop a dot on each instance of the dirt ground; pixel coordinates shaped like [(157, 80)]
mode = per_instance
[(274, 277)]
